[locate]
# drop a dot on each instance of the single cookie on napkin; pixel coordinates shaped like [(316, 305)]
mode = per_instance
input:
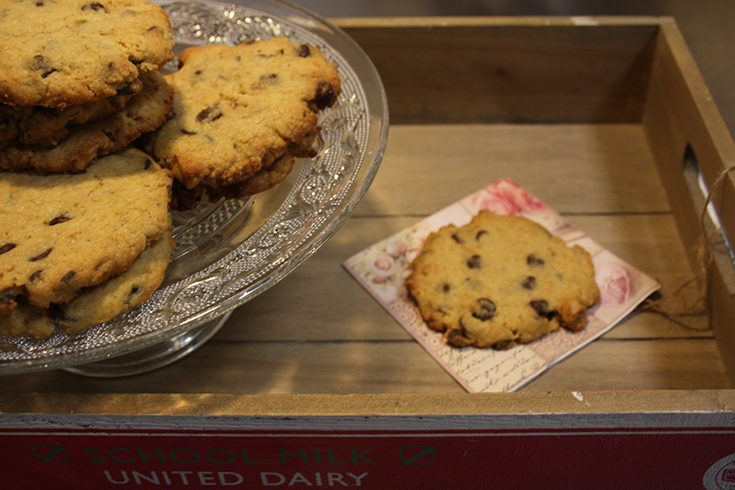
[(499, 280)]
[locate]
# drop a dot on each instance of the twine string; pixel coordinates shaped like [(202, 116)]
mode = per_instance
[(700, 277)]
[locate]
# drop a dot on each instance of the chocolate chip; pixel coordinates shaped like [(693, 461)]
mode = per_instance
[(42, 64), (209, 114), (474, 262), (304, 51), (6, 300), (7, 248), (529, 283), (56, 312), (95, 6), (446, 288), (35, 276), (126, 89), (484, 309), (133, 290), (534, 260), (269, 79), (479, 234), (41, 256), (459, 336), (153, 28), (541, 307), (198, 72), (49, 111), (457, 238), (62, 218), (325, 95), (186, 131), (68, 277), (503, 345)]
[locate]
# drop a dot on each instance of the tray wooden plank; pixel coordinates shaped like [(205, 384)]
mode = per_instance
[(434, 409), (318, 331), (401, 367), (535, 70), (576, 168), (687, 135)]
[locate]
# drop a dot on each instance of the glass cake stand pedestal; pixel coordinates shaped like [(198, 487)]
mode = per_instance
[(154, 356)]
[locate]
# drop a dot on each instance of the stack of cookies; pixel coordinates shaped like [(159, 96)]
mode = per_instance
[(85, 230), (77, 249)]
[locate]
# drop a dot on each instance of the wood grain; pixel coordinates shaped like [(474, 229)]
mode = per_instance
[(581, 116), (502, 70), (318, 331)]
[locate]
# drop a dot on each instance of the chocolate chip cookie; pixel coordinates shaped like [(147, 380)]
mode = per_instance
[(145, 112), (96, 304), (238, 109), (63, 232), (183, 199), (499, 280), (38, 125), (57, 53), (261, 181)]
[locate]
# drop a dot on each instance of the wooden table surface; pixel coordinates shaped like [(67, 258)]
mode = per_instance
[(318, 331)]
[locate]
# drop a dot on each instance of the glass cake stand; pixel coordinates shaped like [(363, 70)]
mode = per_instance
[(229, 252)]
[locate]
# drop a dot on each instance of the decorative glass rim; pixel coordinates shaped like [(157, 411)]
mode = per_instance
[(228, 253)]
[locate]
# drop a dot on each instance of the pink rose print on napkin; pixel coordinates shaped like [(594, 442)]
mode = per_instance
[(614, 284), (507, 198), (385, 266), (381, 267)]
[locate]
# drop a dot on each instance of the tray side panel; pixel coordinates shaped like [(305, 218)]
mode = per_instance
[(688, 138), (522, 72), (567, 440)]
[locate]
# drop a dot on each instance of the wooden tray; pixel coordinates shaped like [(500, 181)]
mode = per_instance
[(605, 119)]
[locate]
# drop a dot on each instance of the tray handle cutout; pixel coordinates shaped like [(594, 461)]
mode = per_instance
[(718, 237)]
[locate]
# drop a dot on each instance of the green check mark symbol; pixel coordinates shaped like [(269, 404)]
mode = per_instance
[(428, 451), (52, 454)]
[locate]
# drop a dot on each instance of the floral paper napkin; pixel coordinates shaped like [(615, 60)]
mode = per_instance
[(382, 269)]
